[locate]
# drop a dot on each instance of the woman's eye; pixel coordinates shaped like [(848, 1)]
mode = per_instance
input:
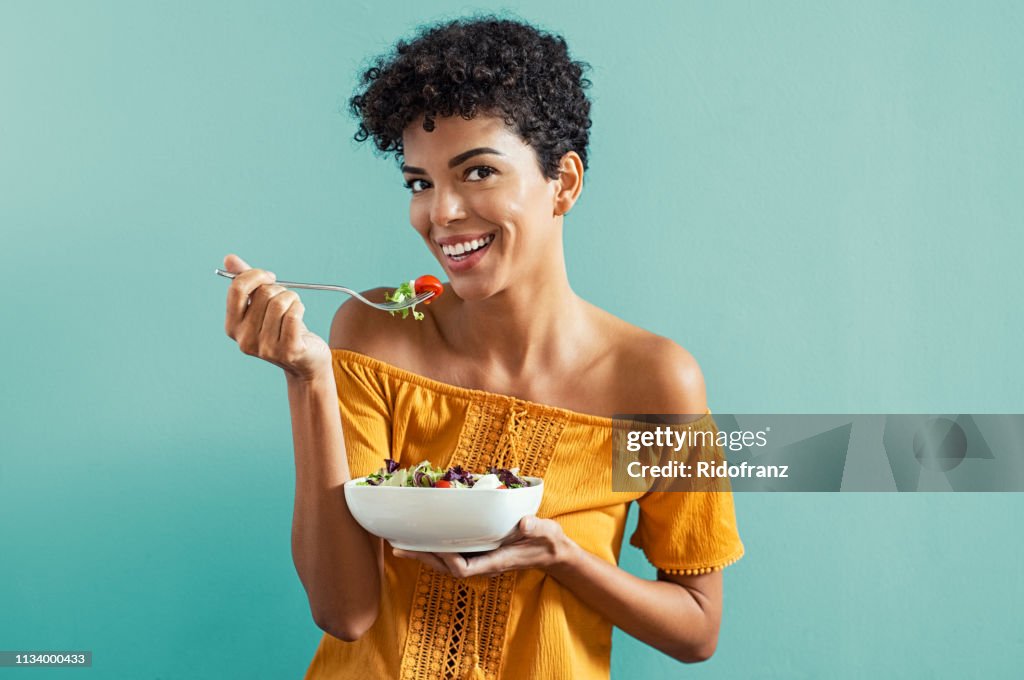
[(416, 185), (478, 173)]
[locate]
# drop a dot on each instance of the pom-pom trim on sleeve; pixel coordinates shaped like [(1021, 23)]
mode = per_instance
[(700, 570)]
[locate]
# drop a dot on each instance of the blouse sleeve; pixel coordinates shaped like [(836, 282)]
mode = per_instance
[(689, 532), (365, 416)]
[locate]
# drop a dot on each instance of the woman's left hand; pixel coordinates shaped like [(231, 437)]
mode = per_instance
[(535, 544)]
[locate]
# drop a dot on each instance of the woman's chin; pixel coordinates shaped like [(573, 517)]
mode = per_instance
[(472, 291)]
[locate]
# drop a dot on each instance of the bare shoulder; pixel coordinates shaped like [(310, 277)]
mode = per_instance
[(361, 328), (654, 373), (672, 377)]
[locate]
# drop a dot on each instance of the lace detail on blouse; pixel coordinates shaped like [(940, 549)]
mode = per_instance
[(457, 626)]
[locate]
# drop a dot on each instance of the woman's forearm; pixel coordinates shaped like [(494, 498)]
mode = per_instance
[(662, 614), (337, 561)]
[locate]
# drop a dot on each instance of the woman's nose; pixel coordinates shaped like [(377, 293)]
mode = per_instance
[(447, 207)]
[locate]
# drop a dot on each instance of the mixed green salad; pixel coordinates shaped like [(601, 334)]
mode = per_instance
[(404, 292), (426, 475), (410, 289)]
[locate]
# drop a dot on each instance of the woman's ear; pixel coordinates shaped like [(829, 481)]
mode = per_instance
[(569, 183)]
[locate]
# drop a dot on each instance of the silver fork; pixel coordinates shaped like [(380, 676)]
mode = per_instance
[(386, 306)]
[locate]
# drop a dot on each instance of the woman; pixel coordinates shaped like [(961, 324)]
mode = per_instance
[(510, 366)]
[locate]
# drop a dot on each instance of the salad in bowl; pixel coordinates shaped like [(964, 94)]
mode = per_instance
[(432, 509), (424, 475)]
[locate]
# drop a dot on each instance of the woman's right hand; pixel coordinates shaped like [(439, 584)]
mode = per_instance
[(266, 321)]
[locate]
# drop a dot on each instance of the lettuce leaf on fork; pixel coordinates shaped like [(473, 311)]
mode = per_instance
[(405, 291)]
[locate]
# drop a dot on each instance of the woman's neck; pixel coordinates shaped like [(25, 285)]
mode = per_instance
[(523, 330)]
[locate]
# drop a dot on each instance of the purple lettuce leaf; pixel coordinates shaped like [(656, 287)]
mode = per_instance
[(506, 477), (457, 474)]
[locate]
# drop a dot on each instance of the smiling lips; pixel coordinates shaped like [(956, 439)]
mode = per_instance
[(461, 250)]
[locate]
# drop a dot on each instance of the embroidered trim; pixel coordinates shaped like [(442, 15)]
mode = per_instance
[(457, 627), (508, 446)]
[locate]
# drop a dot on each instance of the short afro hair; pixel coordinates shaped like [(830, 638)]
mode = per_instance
[(483, 65)]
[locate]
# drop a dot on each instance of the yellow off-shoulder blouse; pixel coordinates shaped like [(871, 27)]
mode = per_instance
[(520, 624)]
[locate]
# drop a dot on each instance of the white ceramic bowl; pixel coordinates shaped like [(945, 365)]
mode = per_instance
[(442, 520)]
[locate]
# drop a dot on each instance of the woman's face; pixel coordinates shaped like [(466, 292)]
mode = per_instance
[(481, 203)]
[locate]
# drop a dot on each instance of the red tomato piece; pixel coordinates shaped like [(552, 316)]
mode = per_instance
[(502, 486), (443, 484), (427, 283)]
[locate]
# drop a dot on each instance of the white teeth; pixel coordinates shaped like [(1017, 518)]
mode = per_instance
[(466, 247)]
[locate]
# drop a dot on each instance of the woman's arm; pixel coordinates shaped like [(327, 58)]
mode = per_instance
[(338, 562), (678, 615)]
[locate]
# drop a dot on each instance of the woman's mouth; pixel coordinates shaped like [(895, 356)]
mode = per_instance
[(464, 254)]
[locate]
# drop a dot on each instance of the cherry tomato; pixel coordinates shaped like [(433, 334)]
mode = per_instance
[(443, 484), (428, 283)]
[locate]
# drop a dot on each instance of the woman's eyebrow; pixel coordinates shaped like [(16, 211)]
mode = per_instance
[(457, 160)]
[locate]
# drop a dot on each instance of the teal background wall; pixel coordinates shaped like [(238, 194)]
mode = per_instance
[(831, 191)]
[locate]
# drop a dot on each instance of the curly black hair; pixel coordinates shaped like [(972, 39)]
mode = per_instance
[(480, 65)]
